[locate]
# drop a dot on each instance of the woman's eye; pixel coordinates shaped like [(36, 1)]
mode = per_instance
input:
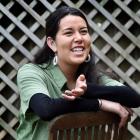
[(68, 33), (84, 32)]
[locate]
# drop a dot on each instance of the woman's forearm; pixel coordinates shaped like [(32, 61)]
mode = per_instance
[(121, 94), (47, 108)]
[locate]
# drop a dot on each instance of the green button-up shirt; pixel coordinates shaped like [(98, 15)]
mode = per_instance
[(33, 79)]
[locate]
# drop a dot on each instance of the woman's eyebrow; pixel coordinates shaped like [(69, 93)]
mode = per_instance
[(84, 28), (70, 28)]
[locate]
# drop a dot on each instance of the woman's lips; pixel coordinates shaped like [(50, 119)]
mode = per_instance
[(77, 50)]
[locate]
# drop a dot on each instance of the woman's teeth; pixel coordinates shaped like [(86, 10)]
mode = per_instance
[(77, 49)]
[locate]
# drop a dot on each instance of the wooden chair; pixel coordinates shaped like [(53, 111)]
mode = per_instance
[(87, 126)]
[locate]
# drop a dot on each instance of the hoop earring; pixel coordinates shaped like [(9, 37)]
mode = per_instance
[(88, 58), (55, 60)]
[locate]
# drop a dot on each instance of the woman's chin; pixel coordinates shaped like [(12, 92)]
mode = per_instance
[(79, 61)]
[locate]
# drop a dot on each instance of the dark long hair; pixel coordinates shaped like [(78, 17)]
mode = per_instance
[(45, 55)]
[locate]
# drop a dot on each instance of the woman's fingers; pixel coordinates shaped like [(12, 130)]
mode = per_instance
[(116, 108), (68, 92), (79, 89), (81, 82), (81, 78), (129, 110), (77, 92), (124, 118), (68, 97), (80, 86), (124, 115)]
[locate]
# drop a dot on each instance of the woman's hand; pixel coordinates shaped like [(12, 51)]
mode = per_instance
[(117, 108), (79, 89)]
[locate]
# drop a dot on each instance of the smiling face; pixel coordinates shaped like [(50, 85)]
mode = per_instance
[(72, 40)]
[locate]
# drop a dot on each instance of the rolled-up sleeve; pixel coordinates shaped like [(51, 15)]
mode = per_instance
[(29, 82)]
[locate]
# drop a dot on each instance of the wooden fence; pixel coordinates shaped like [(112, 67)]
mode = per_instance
[(115, 28)]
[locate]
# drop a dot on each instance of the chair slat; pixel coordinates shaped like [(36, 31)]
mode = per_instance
[(115, 137), (89, 133), (83, 136), (60, 135), (68, 134), (96, 132), (109, 132), (75, 133)]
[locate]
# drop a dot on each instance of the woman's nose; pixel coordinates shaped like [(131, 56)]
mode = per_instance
[(77, 37)]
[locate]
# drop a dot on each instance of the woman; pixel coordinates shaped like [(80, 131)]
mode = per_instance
[(53, 85)]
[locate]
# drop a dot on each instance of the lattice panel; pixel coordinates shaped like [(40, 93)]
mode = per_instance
[(115, 29)]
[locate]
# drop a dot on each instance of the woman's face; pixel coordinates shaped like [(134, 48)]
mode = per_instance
[(72, 40)]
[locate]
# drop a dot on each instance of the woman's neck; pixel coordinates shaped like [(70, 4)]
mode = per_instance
[(70, 74)]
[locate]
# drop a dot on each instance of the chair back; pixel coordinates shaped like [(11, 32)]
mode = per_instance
[(87, 126)]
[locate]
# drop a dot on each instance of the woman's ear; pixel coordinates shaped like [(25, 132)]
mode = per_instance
[(51, 44)]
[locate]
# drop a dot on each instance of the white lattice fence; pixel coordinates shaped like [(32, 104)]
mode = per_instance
[(115, 28)]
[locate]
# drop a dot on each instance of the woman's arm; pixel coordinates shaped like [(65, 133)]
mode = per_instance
[(47, 108), (121, 94), (114, 107)]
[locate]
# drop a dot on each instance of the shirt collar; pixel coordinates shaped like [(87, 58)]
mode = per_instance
[(58, 76)]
